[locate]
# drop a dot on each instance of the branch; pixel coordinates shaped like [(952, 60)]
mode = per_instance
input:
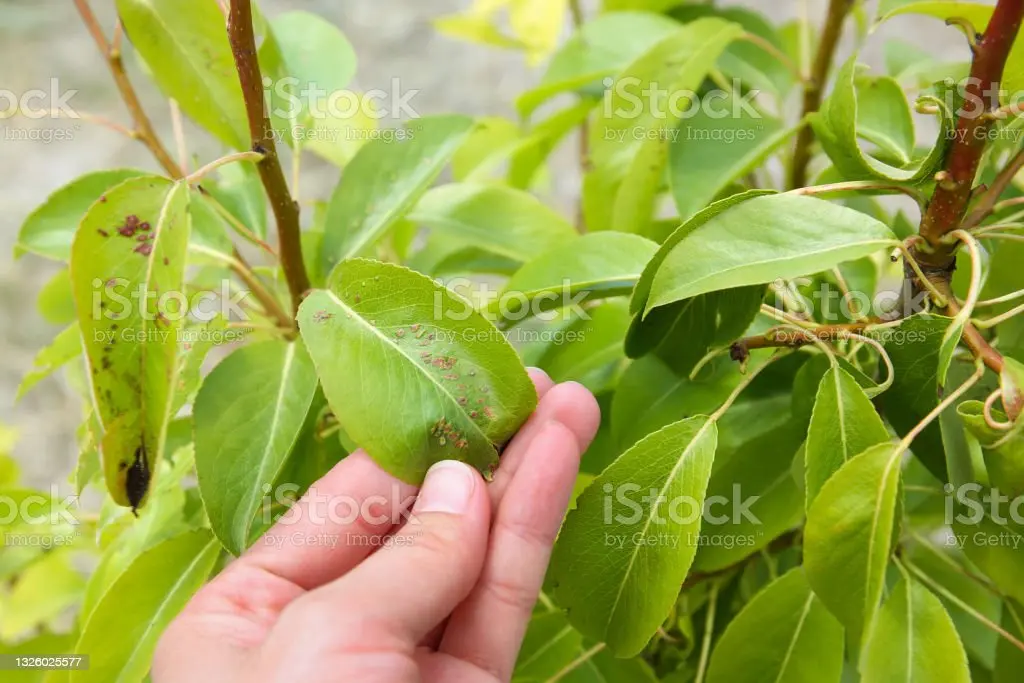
[(953, 191), (815, 86), (792, 338), (286, 210), (988, 201), (143, 127)]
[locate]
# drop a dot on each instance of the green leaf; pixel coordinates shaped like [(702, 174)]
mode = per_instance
[(618, 564), (50, 228), (844, 424), (643, 287), (312, 64), (995, 546), (384, 181), (629, 137), (848, 536), (239, 189), (784, 634), (56, 303), (185, 45), (1003, 452), (881, 108), (765, 238), (709, 152), (651, 395), (423, 360), (914, 640), (603, 47), (914, 349), (122, 632), (592, 352), (65, 347), (46, 589), (248, 414), (128, 255), (978, 15), (496, 218), (752, 498), (602, 264), (683, 332)]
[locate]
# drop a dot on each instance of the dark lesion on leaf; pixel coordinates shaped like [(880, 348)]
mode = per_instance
[(137, 478)]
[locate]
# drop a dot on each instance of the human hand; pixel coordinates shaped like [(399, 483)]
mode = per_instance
[(447, 598)]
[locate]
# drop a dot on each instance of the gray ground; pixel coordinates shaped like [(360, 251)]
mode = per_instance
[(43, 39)]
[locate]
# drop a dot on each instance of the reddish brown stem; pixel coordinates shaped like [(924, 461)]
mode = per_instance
[(286, 209), (949, 203), (143, 127), (815, 87), (790, 338), (987, 203)]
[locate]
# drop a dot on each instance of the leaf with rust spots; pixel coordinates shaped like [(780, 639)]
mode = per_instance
[(131, 343), (412, 372)]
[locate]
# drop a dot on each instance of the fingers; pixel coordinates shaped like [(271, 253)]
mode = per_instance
[(335, 526), (487, 629), (339, 521), (395, 597), (572, 405)]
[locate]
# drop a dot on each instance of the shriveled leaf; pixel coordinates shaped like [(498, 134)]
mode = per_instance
[(384, 181), (914, 640), (848, 536), (844, 424), (882, 111), (777, 236), (618, 563), (784, 634), (50, 229), (122, 632), (496, 218), (436, 380), (185, 45), (132, 243), (248, 415)]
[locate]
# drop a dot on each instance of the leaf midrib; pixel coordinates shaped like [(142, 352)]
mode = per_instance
[(255, 491), (718, 274), (650, 517), (430, 378)]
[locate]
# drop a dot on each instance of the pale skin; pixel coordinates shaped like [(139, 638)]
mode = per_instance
[(447, 600)]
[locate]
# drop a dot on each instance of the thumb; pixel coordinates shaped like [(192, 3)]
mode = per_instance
[(410, 586)]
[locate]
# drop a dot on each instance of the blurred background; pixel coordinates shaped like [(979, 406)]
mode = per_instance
[(394, 39)]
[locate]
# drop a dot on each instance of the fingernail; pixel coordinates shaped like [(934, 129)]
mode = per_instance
[(448, 488)]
